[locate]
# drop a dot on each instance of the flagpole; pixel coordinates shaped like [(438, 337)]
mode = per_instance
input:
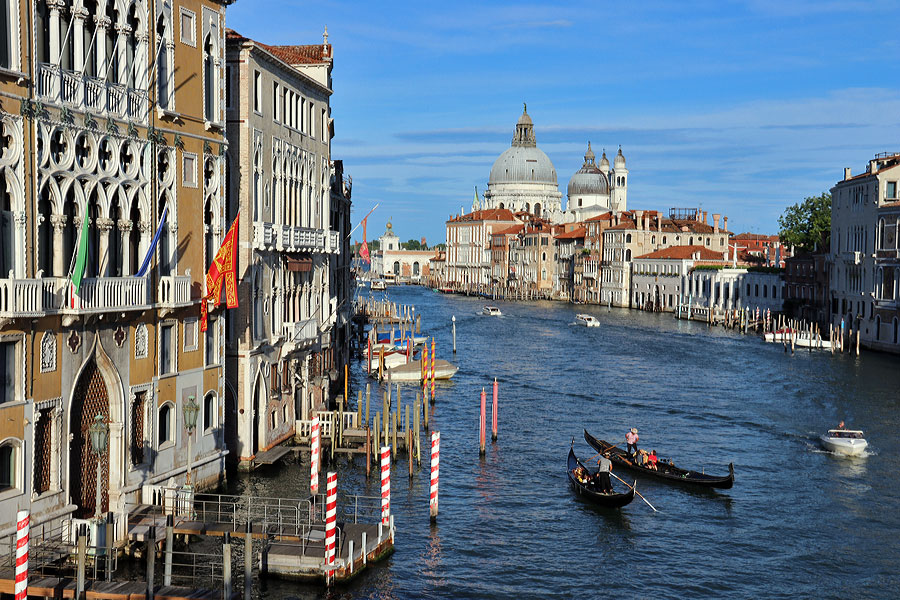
[(363, 219)]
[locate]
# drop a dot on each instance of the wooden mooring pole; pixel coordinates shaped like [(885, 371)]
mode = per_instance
[(151, 565), (226, 564), (453, 320), (170, 541), (481, 434), (248, 561)]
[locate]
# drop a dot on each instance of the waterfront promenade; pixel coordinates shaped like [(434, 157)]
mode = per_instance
[(509, 526)]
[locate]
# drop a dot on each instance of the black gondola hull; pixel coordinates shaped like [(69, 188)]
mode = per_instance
[(668, 473), (607, 500)]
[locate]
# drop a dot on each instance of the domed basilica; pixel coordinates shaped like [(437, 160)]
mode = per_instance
[(524, 179)]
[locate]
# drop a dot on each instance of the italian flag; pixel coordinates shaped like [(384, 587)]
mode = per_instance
[(80, 259)]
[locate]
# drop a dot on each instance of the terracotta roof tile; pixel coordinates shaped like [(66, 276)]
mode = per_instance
[(308, 54), (491, 214), (572, 235), (685, 252)]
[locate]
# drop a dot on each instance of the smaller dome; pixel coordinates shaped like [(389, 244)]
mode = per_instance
[(589, 179), (525, 119), (620, 159)]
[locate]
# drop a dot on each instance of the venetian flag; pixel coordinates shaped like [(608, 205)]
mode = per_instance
[(364, 249), (80, 259), (223, 269), (145, 265)]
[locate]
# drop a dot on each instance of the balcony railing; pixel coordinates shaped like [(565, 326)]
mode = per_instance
[(88, 93), (174, 291), (288, 238), (53, 295), (300, 334)]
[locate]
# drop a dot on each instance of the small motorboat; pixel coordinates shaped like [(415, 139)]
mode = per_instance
[(782, 335), (587, 320), (391, 359), (412, 371), (849, 442), (378, 285), (585, 484), (491, 311)]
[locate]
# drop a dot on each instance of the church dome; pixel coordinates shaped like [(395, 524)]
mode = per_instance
[(589, 179), (523, 161), (620, 160)]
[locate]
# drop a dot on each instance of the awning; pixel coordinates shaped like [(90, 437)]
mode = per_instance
[(301, 265)]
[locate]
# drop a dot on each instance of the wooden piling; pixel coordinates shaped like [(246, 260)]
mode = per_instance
[(416, 430), (81, 544), (151, 565), (226, 564), (368, 390), (409, 452), (368, 450), (453, 320), (170, 540), (248, 561), (425, 412), (377, 436)]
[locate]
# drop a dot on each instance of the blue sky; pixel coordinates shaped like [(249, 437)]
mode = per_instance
[(741, 107)]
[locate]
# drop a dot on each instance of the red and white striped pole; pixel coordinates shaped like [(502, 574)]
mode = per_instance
[(435, 469), (21, 587), (494, 413), (314, 457), (385, 485), (330, 523), (481, 431)]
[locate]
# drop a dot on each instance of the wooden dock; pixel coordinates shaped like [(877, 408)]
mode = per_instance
[(64, 587), (272, 455)]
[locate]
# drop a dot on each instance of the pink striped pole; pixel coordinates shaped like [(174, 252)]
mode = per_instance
[(481, 431), (314, 457), (494, 414), (435, 469), (21, 587), (385, 485), (330, 523)]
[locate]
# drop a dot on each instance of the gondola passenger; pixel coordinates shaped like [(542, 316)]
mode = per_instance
[(652, 460)]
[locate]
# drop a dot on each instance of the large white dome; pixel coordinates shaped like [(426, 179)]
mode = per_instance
[(523, 164)]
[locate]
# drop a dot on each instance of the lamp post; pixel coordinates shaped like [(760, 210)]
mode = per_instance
[(99, 437), (191, 410)]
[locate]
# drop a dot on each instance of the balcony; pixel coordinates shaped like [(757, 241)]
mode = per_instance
[(263, 235), (299, 334), (53, 295), (174, 291), (288, 238), (90, 94)]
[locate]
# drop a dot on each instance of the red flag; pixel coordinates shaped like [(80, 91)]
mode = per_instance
[(223, 268)]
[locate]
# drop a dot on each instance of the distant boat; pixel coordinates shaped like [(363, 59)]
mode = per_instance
[(782, 335), (849, 442), (587, 320), (491, 311), (378, 285)]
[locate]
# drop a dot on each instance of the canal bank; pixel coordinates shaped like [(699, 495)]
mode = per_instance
[(508, 524)]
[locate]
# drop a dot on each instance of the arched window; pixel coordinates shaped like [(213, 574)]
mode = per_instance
[(653, 239), (165, 426), (628, 255), (756, 290), (209, 411), (880, 241), (537, 209), (527, 207), (396, 267), (7, 250), (895, 323), (163, 68), (691, 241), (877, 328), (209, 80), (209, 242), (627, 238), (765, 291), (416, 268)]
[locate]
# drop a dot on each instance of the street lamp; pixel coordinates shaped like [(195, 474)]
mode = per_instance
[(191, 410), (99, 437)]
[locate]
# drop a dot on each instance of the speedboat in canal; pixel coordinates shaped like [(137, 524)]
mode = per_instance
[(378, 285), (849, 442), (491, 311), (587, 320)]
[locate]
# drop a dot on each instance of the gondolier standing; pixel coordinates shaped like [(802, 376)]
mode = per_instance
[(631, 439), (604, 466)]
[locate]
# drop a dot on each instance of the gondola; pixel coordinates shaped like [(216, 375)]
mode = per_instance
[(664, 471), (589, 491)]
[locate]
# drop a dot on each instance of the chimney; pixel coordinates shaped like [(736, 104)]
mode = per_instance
[(846, 173), (716, 217), (639, 219), (705, 220), (658, 223), (725, 226)]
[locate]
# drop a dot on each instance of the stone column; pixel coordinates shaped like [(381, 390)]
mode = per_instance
[(170, 73), (55, 6), (122, 32), (58, 222), (140, 61), (124, 231), (144, 245), (79, 15), (103, 24), (104, 226)]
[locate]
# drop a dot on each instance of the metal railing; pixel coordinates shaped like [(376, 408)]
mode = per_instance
[(91, 93)]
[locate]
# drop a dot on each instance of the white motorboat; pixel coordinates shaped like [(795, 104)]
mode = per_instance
[(782, 335), (391, 359), (378, 285), (587, 321), (491, 311), (844, 441)]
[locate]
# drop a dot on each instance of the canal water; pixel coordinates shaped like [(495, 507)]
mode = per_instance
[(799, 522)]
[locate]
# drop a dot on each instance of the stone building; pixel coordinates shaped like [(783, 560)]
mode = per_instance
[(393, 262), (569, 243), (864, 253), (468, 258), (282, 344), (112, 122), (806, 290), (532, 264), (659, 279), (760, 249)]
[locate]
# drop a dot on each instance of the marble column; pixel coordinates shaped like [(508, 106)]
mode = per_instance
[(55, 6), (78, 15), (58, 222), (122, 32), (104, 226), (124, 231), (103, 25)]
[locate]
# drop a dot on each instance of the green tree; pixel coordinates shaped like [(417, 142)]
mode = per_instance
[(441, 247), (413, 245), (807, 225)]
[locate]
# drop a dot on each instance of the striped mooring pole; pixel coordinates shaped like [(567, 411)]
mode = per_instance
[(482, 420), (21, 587), (314, 457), (435, 470), (385, 485), (432, 369), (494, 413), (330, 523)]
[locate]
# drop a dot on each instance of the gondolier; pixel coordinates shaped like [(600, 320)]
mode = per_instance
[(631, 440), (604, 466)]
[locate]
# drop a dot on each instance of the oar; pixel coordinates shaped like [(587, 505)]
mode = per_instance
[(635, 491)]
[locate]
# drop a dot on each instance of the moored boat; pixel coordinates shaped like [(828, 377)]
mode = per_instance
[(378, 285), (491, 311), (587, 320), (588, 487), (412, 371), (849, 442), (664, 470)]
